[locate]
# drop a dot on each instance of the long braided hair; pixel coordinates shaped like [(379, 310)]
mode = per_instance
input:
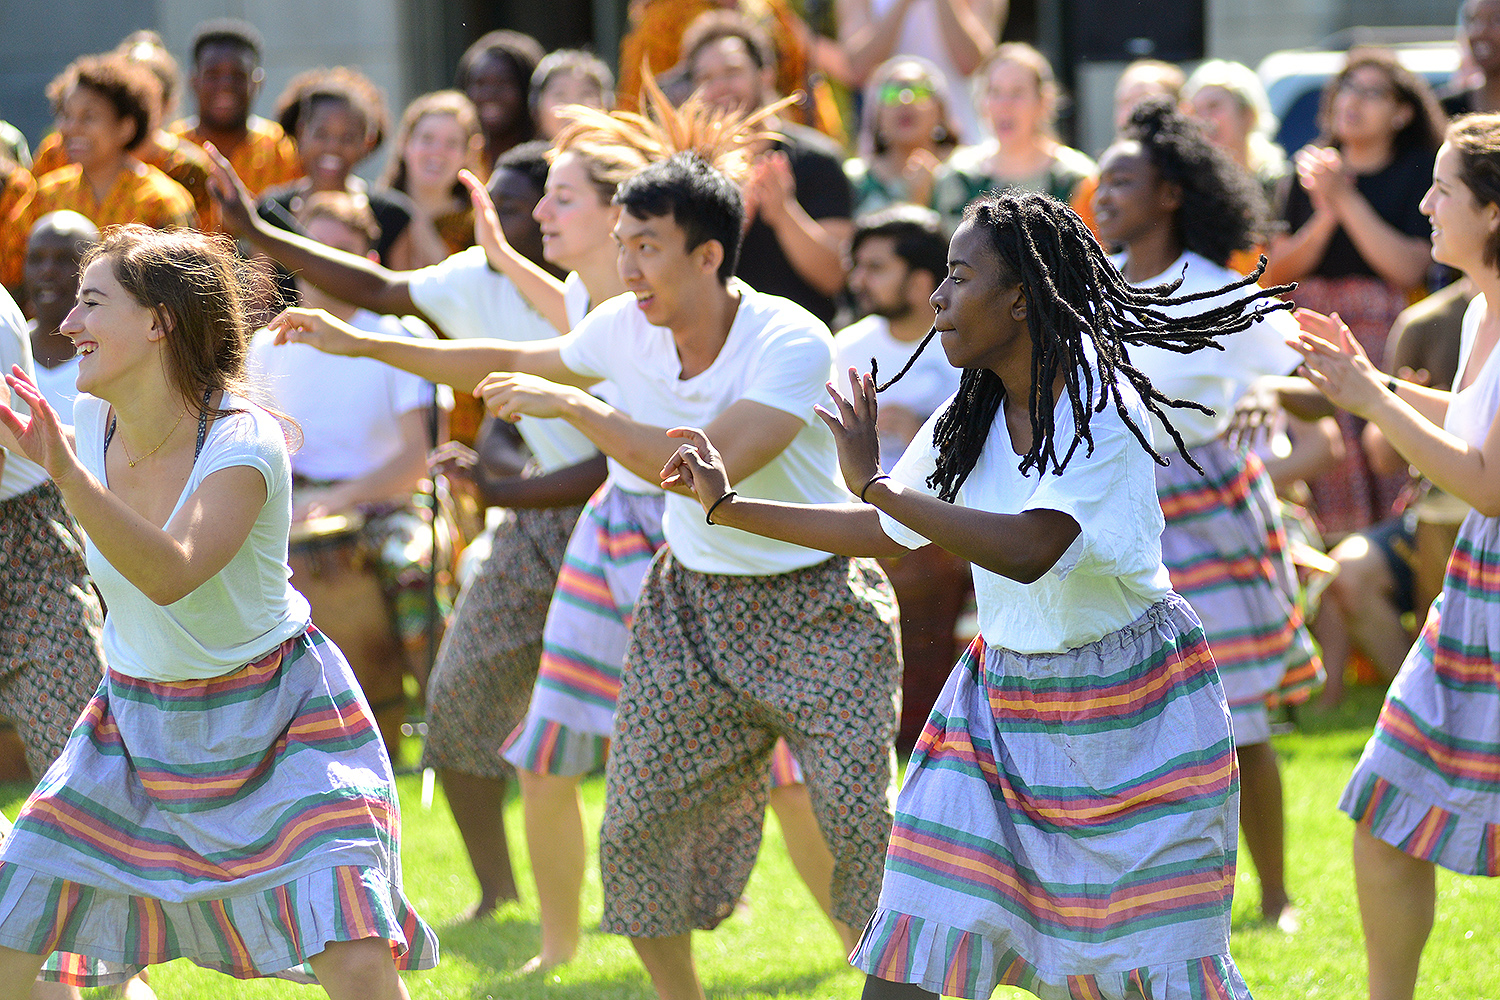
[(1074, 294)]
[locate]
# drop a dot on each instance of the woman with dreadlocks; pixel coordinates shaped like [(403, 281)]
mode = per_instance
[(1179, 207), (1068, 818)]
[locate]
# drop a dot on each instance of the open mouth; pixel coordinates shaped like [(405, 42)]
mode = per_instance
[(84, 347)]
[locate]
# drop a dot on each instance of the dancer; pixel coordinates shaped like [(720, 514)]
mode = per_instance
[(712, 619), (1067, 824), (1179, 207), (1425, 793), (222, 711)]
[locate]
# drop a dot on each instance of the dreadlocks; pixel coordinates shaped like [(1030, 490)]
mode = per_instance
[(1073, 293)]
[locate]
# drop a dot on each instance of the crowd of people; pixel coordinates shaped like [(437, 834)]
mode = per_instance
[(658, 360)]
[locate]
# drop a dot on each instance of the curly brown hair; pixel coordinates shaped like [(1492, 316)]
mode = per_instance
[(130, 88)]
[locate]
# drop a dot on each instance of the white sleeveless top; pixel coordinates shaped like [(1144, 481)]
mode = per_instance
[(1471, 411)]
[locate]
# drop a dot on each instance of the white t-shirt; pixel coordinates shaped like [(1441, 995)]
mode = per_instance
[(243, 612), (1217, 379), (20, 474), (468, 299), (1111, 573), (777, 354), (1471, 411), (931, 381), (60, 386), (349, 409)]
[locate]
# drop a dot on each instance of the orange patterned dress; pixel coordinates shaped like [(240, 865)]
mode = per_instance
[(17, 189), (141, 193), (265, 158), (179, 159)]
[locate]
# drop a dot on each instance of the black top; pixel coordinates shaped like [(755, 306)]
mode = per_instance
[(393, 212), (1394, 193), (1460, 103), (823, 192)]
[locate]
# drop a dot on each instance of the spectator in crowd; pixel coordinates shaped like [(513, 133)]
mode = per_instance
[(495, 73), (438, 136), (54, 251), (1229, 101), (1018, 97), (1357, 243), (104, 107), (226, 79), (17, 188), (956, 35), (907, 133), (1479, 33), (568, 77), (797, 199)]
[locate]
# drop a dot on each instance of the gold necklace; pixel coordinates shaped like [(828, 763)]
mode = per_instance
[(133, 462)]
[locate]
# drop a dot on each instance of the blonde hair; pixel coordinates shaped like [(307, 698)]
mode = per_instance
[(455, 105), (1240, 82)]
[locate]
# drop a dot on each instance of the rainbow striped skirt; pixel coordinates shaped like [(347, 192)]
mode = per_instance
[(1068, 824), (1225, 547), (243, 822), (567, 726), (1428, 782)]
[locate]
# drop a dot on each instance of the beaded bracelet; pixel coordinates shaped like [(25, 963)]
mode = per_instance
[(709, 517)]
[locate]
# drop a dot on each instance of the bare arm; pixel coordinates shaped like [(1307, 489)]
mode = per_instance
[(463, 364), (1293, 256), (542, 290), (1398, 258), (970, 28), (814, 247), (867, 40), (565, 487)]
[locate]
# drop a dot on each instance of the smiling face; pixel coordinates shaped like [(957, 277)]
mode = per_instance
[(498, 93), (435, 151), (725, 75), (1013, 103), (1132, 200), (52, 259), (225, 83), (332, 139), (909, 110), (659, 269), (980, 313), (94, 135), (116, 337), (1461, 227), (1480, 20), (575, 221)]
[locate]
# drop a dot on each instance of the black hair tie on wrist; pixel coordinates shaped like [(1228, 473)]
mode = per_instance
[(709, 517), (873, 480)]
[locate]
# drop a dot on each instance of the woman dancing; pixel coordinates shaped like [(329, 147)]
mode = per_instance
[(1067, 822), (226, 796)]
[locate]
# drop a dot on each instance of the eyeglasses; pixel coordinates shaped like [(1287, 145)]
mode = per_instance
[(906, 93), (1367, 93)]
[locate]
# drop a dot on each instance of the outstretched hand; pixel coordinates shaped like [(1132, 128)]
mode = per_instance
[(236, 204), (39, 436), (316, 328), (696, 465), (1336, 365), (855, 430)]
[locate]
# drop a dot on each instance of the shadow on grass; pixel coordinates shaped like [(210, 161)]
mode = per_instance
[(638, 987)]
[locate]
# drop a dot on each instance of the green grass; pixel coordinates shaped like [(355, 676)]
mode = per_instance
[(782, 947)]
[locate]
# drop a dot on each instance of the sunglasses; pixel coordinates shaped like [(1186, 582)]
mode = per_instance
[(906, 93)]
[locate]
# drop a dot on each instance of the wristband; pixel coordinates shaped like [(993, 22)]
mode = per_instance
[(873, 480), (709, 517), (1393, 385)]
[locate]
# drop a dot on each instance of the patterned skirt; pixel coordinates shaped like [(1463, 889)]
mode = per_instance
[(1351, 495), (244, 822), (487, 663), (1068, 825), (1428, 782), (566, 729), (1226, 549)]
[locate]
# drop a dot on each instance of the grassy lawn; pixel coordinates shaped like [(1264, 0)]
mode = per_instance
[(782, 948)]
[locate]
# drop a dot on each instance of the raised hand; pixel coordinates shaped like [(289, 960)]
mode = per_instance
[(696, 465), (39, 436), (855, 430), (1336, 365), (487, 231), (236, 205), (317, 328)]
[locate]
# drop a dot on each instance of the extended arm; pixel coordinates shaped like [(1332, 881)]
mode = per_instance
[(969, 29), (542, 290), (1400, 259)]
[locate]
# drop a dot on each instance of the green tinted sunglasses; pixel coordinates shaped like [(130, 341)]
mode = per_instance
[(906, 93)]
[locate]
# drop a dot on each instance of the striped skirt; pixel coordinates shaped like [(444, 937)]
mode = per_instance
[(1226, 549), (1428, 782), (1068, 824), (566, 729), (244, 822)]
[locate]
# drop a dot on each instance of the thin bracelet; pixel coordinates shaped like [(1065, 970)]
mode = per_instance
[(873, 480), (1393, 385), (709, 517)]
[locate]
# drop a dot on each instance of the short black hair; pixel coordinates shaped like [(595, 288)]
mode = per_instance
[(705, 204), (916, 232), (529, 158), (521, 50), (227, 31)]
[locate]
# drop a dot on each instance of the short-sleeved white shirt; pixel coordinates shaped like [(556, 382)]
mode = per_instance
[(20, 474), (244, 611), (468, 299), (777, 354), (1217, 379), (349, 409), (1111, 573)]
